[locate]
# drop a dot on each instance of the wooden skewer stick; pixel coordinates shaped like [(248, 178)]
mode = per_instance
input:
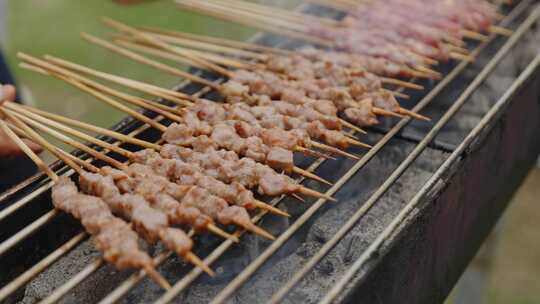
[(143, 87), (474, 35), (240, 13), (457, 49), (298, 197), (401, 83), (311, 176), (220, 232), (177, 97), (38, 161), (157, 42), (351, 126), (150, 50), (314, 153), (84, 164), (461, 57), (92, 128), (435, 74), (148, 268), (421, 74), (205, 46), (278, 13), (211, 227), (66, 139), (123, 152), (333, 150), (270, 208), (71, 131), (383, 112), (500, 30), (119, 48), (313, 193), (156, 276), (358, 143), (247, 21), (168, 112), (397, 94), (144, 60), (257, 230), (114, 103), (195, 260), (413, 114), (219, 41), (206, 55), (117, 105)]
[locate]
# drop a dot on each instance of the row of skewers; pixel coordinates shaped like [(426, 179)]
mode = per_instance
[(214, 155)]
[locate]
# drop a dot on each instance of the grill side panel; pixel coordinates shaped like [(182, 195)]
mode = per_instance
[(426, 255)]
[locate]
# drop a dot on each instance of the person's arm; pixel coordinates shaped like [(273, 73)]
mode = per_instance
[(8, 148)]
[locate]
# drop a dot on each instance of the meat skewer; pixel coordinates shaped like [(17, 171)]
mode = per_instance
[(210, 226), (122, 43), (348, 125), (378, 66), (224, 214), (160, 66), (189, 174), (312, 92), (473, 16), (112, 236), (226, 89), (249, 173), (36, 121), (199, 198), (332, 36), (300, 149), (39, 115), (152, 224)]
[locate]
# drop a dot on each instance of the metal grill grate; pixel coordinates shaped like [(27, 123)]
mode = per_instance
[(39, 186)]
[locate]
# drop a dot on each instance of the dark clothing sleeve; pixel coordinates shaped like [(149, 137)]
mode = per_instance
[(16, 169)]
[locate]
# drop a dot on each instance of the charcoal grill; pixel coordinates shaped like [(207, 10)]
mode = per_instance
[(411, 214)]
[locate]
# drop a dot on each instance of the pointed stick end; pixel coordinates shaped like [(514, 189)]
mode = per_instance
[(298, 197), (157, 277), (313, 193), (270, 208), (216, 230), (359, 144), (257, 230), (195, 260), (414, 114)]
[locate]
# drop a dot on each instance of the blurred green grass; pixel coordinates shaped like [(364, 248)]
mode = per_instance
[(52, 27)]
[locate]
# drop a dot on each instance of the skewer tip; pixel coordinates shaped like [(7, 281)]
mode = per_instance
[(195, 260), (218, 231), (309, 192), (413, 114), (311, 175), (157, 277), (257, 230), (270, 208), (358, 143)]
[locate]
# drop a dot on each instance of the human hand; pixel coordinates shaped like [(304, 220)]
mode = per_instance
[(8, 148)]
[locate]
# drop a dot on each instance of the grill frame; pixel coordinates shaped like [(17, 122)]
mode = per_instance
[(130, 124)]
